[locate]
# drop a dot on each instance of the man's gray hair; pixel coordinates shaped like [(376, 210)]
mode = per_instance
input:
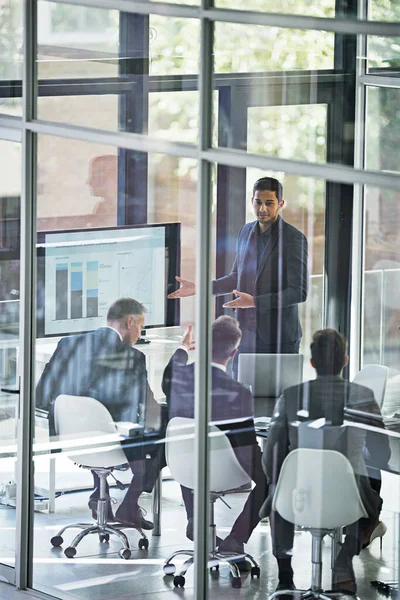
[(123, 307), (226, 335)]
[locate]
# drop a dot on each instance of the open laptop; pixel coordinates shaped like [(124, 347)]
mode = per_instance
[(268, 375)]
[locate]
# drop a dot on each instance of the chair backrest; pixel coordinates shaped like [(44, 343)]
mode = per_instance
[(225, 470), (269, 374), (374, 377), (317, 490), (82, 417)]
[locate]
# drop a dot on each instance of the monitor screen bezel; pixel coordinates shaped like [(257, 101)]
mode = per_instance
[(172, 244)]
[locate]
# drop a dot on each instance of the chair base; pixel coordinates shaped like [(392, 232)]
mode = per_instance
[(311, 594), (215, 559), (104, 532)]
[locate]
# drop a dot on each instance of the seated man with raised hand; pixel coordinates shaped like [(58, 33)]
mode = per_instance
[(103, 364), (231, 402), (326, 397)]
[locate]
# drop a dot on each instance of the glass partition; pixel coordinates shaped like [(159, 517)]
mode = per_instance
[(10, 233)]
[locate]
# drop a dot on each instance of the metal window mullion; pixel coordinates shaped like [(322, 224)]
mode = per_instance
[(380, 81), (227, 156), (358, 232), (25, 483), (203, 313), (10, 129)]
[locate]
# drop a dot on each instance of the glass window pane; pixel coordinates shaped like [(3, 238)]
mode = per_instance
[(11, 57), (10, 203), (381, 288), (271, 131), (281, 93), (253, 48), (118, 71), (322, 9), (384, 53), (84, 265), (383, 129)]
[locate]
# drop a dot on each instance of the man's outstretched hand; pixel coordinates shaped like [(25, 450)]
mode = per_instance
[(243, 300), (188, 288)]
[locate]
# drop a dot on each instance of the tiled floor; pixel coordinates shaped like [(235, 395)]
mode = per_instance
[(98, 572)]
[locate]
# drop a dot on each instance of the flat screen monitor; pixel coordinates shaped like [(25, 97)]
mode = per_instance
[(82, 272)]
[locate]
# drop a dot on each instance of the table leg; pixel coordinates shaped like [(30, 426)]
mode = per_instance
[(52, 485), (156, 502)]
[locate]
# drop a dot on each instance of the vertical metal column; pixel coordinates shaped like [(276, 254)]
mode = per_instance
[(203, 312), (25, 483), (358, 233)]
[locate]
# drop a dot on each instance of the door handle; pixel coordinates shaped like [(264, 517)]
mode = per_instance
[(10, 391)]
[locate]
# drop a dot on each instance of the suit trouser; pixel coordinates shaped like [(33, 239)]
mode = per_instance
[(145, 469), (282, 532), (248, 518)]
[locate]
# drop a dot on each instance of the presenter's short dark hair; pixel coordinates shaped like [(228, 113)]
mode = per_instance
[(226, 335), (123, 307), (270, 184), (328, 351)]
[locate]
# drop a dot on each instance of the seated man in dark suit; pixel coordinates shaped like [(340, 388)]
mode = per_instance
[(231, 402), (328, 396), (103, 364)]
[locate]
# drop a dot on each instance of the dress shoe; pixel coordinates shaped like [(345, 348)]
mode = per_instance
[(190, 532), (92, 504), (136, 519), (379, 532), (343, 577), (231, 545)]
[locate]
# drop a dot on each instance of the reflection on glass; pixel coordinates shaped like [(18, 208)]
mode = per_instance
[(11, 57), (384, 53), (82, 269), (322, 9), (381, 283), (252, 48), (110, 70), (384, 11), (271, 131), (10, 196), (279, 94), (382, 129)]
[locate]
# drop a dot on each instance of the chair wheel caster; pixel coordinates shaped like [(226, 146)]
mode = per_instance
[(104, 537), (57, 541), (236, 582), (125, 553), (70, 552), (214, 568), (179, 581), (169, 569), (143, 544), (255, 572)]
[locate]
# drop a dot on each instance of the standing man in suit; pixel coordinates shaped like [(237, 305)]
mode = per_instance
[(232, 409), (328, 396), (104, 365), (269, 276)]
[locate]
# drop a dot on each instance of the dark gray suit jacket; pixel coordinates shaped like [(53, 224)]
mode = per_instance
[(279, 283), (99, 365), (232, 407), (327, 397)]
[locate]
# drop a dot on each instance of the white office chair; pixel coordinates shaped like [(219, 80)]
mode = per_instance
[(78, 417), (226, 475), (317, 490), (375, 378)]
